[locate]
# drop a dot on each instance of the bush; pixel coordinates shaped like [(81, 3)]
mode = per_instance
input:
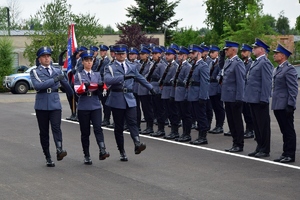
[(6, 59)]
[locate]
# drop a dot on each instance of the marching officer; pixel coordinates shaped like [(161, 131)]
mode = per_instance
[(246, 57), (215, 90), (284, 98), (168, 92), (143, 92), (78, 61), (120, 76), (257, 94), (96, 60), (87, 85), (46, 80), (232, 92), (183, 105), (197, 82)]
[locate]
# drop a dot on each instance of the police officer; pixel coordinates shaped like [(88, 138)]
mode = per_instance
[(197, 82), (87, 86), (96, 60), (183, 105), (284, 98), (215, 90), (257, 94), (232, 93), (246, 57), (168, 91), (143, 92), (46, 80), (120, 76), (78, 62)]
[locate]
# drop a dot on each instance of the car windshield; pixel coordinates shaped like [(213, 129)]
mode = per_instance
[(31, 68)]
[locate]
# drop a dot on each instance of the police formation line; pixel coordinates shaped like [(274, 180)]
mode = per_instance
[(180, 85)]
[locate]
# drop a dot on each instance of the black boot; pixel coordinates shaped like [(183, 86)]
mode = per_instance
[(249, 134), (186, 134), (138, 146), (60, 153), (217, 130), (201, 138), (160, 131), (149, 128), (123, 156), (174, 133), (105, 122), (103, 154), (49, 162)]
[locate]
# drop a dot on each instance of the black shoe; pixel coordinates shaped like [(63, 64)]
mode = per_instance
[(147, 131), (123, 156), (72, 117), (103, 154), (111, 125), (249, 134), (87, 160), (279, 159), (287, 159), (105, 122), (234, 149), (139, 147), (184, 138), (227, 133), (216, 130), (49, 162), (60, 154), (143, 120), (262, 155), (171, 136), (193, 126), (159, 133), (252, 154), (199, 141)]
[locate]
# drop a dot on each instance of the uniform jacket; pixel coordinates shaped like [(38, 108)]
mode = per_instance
[(157, 74), (258, 83), (138, 67), (180, 89), (105, 62), (248, 64), (41, 81), (96, 63), (214, 87), (167, 88), (208, 60), (79, 65), (88, 102), (141, 89), (285, 87), (114, 76), (233, 83), (200, 75)]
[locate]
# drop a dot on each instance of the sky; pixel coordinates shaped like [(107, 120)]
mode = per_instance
[(192, 12)]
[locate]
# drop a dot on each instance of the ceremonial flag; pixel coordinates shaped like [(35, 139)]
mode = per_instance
[(72, 45)]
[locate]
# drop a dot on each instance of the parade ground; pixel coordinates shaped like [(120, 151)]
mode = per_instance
[(166, 170)]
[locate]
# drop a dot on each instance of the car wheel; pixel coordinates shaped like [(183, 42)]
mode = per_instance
[(21, 87)]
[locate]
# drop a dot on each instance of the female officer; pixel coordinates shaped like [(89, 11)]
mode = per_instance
[(87, 85)]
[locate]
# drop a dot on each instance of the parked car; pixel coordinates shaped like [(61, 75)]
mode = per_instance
[(20, 69), (20, 83)]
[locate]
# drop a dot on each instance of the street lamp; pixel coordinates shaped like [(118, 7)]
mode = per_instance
[(8, 20)]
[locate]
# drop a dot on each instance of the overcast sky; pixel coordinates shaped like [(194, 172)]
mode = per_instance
[(192, 13)]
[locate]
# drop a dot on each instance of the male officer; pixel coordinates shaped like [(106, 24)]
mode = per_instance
[(46, 80), (143, 92), (120, 76), (215, 90), (77, 61), (197, 82), (154, 75), (96, 60), (257, 94), (246, 57), (284, 98), (176, 48), (233, 84), (183, 106), (167, 94)]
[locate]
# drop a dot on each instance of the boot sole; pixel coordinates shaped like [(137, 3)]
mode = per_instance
[(61, 156), (103, 157), (140, 149)]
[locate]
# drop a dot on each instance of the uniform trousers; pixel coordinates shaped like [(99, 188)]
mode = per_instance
[(73, 100), (218, 108), (119, 115), (235, 123), (138, 109), (85, 118), (286, 125), (159, 109), (209, 112), (261, 124), (184, 110), (200, 115), (106, 109), (171, 111), (43, 118), (247, 116), (147, 107)]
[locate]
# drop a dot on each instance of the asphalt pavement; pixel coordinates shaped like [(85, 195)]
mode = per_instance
[(165, 170)]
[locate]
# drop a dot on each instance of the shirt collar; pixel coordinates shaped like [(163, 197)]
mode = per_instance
[(260, 56)]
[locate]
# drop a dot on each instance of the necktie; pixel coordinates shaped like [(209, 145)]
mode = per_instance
[(89, 75), (123, 67), (47, 70)]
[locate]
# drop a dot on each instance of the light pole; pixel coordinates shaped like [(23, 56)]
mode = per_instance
[(8, 20)]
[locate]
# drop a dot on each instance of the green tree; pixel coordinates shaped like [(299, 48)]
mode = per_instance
[(186, 36), (282, 24), (6, 58), (3, 18), (153, 15), (50, 25), (297, 25), (269, 22)]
